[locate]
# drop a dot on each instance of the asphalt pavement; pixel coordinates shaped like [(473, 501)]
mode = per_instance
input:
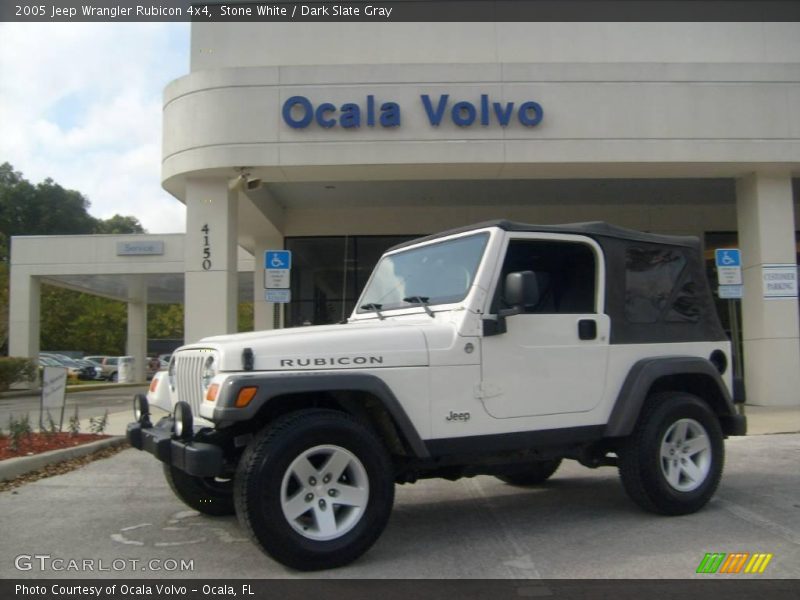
[(579, 525)]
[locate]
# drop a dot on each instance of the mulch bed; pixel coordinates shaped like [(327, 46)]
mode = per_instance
[(39, 442)]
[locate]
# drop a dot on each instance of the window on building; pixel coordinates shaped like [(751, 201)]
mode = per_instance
[(328, 274)]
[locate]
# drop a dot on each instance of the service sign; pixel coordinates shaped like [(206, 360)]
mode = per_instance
[(148, 248)]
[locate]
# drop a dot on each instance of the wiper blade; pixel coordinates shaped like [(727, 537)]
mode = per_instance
[(422, 300), (374, 306)]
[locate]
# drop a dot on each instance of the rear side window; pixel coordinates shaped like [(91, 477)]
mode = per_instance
[(659, 286)]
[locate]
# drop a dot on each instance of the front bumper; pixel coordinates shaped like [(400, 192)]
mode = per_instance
[(198, 459)]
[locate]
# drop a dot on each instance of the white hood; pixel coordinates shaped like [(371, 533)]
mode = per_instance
[(365, 344)]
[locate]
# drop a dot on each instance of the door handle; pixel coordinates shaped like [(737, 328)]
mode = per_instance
[(587, 329)]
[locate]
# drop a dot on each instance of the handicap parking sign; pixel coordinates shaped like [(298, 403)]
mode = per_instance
[(277, 259), (728, 257), (729, 267)]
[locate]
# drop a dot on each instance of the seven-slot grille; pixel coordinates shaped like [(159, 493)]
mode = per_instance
[(188, 377)]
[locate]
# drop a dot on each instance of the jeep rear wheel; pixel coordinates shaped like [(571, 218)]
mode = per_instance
[(533, 474), (673, 462), (314, 490), (208, 495)]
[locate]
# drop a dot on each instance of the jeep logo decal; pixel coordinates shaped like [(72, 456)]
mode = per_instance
[(332, 361), (458, 416)]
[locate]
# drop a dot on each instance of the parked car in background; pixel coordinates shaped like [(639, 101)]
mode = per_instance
[(152, 366), (109, 366), (96, 369), (73, 370), (87, 370)]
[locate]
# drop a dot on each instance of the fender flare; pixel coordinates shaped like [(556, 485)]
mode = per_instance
[(273, 385), (645, 373)]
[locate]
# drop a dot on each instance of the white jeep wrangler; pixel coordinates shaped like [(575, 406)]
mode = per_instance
[(499, 349)]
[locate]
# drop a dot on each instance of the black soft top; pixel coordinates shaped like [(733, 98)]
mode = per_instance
[(592, 229), (647, 297)]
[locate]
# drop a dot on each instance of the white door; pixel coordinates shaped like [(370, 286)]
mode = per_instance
[(540, 366), (552, 358)]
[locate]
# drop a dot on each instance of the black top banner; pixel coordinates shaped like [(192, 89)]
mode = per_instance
[(397, 11)]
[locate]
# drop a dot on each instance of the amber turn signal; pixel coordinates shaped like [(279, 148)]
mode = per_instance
[(245, 396), (213, 390)]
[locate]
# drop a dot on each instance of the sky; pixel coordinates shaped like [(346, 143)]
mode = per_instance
[(81, 103)]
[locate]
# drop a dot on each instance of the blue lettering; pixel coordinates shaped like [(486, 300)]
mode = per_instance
[(351, 116), (435, 117), (503, 116), (484, 109), (371, 110), (298, 112), (526, 119), (390, 114), (303, 104), (325, 107), (463, 114)]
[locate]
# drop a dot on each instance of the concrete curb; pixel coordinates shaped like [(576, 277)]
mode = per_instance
[(74, 388), (14, 467)]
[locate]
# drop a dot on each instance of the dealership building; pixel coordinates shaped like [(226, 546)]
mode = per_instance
[(339, 140)]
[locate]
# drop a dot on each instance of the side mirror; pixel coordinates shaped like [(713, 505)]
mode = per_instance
[(521, 290)]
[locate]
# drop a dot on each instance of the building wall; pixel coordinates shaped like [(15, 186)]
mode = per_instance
[(221, 45)]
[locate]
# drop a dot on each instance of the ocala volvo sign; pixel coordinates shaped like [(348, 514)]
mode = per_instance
[(299, 112)]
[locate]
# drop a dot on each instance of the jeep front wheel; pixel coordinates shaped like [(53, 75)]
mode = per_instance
[(533, 474), (314, 490), (672, 463)]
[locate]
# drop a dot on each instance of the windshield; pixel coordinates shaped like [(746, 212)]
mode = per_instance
[(439, 273)]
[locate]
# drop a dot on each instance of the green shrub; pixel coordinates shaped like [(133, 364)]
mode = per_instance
[(18, 429), (14, 370), (98, 424)]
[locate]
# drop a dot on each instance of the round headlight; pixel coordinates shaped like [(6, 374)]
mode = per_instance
[(209, 371), (183, 420), (171, 372), (141, 407)]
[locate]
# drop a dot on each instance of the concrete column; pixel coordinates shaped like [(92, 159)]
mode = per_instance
[(136, 343), (264, 312), (765, 214), (211, 269), (23, 317)]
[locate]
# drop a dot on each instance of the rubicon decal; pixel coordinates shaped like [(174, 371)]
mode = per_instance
[(332, 361), (734, 563)]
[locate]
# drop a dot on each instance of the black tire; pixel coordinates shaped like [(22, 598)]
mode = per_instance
[(204, 494), (113, 377), (533, 474), (267, 480), (664, 485)]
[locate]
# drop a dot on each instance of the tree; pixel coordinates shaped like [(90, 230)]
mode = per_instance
[(119, 224), (68, 319), (165, 321)]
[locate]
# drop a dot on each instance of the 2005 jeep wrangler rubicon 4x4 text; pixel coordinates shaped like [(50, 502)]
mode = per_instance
[(498, 349)]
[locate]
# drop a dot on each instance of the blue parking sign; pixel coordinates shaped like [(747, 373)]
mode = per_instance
[(277, 259), (728, 257)]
